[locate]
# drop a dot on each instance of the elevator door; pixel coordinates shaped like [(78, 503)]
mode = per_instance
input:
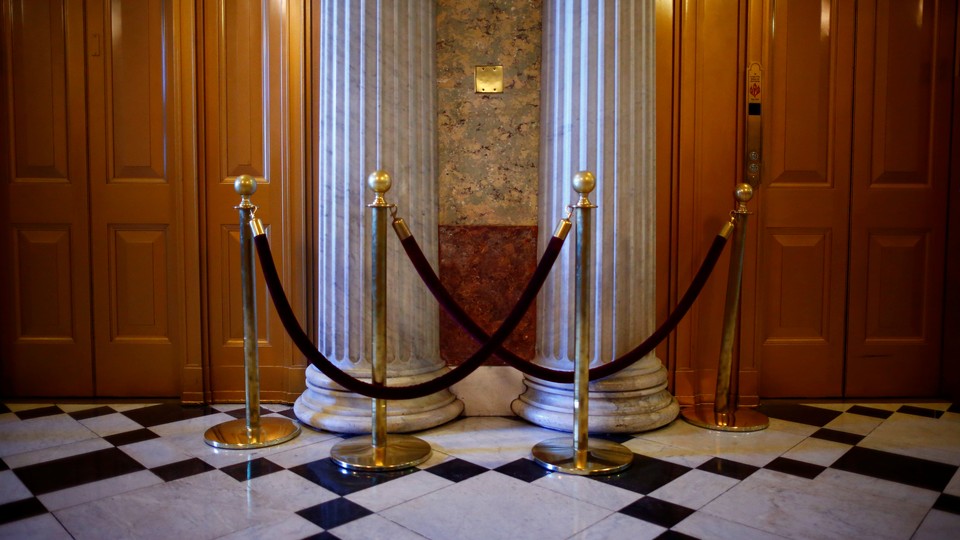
[(94, 233), (853, 204)]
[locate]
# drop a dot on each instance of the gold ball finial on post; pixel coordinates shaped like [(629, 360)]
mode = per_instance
[(584, 182), (245, 186), (743, 193), (379, 181)]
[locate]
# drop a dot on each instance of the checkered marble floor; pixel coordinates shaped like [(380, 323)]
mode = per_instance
[(143, 471)]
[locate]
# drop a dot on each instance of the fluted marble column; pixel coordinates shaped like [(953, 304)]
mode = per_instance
[(598, 114), (377, 111)]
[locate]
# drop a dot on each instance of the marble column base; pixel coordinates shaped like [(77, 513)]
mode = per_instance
[(629, 402), (326, 405)]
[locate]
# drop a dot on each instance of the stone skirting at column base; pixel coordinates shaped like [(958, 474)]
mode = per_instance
[(326, 405), (611, 408)]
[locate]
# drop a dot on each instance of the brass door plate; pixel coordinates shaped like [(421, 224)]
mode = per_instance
[(489, 79)]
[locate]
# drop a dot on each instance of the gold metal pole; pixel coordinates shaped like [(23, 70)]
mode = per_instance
[(724, 414), (253, 431), (586, 456), (379, 451)]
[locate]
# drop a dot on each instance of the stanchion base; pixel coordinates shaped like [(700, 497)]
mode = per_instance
[(399, 452), (603, 457), (233, 435), (739, 420)]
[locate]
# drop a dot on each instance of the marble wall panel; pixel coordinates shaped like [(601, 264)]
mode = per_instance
[(488, 143), (486, 268)]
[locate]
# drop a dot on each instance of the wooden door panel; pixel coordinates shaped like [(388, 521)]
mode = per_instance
[(136, 238), (804, 198), (900, 168), (45, 332), (245, 133)]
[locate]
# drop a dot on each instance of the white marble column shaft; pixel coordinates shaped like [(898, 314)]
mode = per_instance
[(598, 115), (377, 110)]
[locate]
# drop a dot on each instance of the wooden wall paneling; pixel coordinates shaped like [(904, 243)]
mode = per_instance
[(951, 321), (667, 89), (247, 130), (710, 67), (45, 329), (183, 143), (804, 213), (900, 173)]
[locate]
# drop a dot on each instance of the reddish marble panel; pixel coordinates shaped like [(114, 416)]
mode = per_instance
[(485, 268)]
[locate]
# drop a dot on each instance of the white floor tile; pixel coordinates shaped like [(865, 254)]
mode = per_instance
[(620, 526), (110, 424), (938, 525), (292, 527), (817, 451), (11, 488), (42, 527), (694, 489), (207, 505), (487, 441), (492, 506), (857, 424), (374, 527), (839, 506), (589, 490), (707, 527), (399, 491), (286, 489), (899, 434), (755, 448), (93, 491), (41, 433)]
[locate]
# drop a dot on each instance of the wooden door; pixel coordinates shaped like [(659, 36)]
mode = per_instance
[(136, 233), (45, 275), (805, 196), (97, 192), (253, 101), (901, 165), (853, 201)]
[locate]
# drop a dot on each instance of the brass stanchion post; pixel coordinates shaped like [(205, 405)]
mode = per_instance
[(724, 414), (585, 456), (379, 451), (253, 431)]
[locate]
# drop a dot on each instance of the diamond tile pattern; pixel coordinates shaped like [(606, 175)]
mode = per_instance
[(273, 492)]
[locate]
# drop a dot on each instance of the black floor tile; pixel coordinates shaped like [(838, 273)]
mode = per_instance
[(730, 469), (457, 470), (948, 503), (523, 469), (334, 513), (618, 438), (182, 469), (920, 411), (322, 536), (897, 468), (249, 470), (870, 411), (644, 475), (796, 468), (165, 413), (801, 414), (22, 509), (91, 413), (289, 414), (39, 412), (955, 408), (242, 412), (663, 513), (837, 436), (675, 535), (324, 472), (130, 437), (4, 408), (3, 465), (76, 470)]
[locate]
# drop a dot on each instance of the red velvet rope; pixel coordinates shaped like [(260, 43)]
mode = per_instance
[(303, 343), (458, 314)]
